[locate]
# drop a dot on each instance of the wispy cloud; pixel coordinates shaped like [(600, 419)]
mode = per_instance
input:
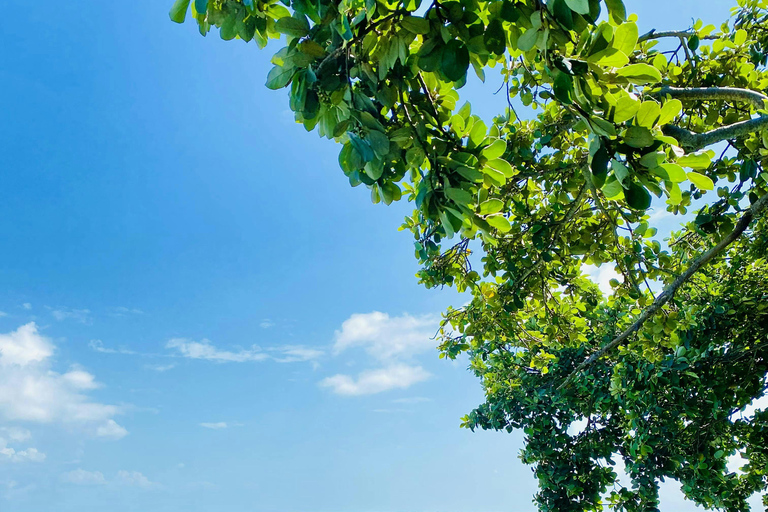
[(134, 479), (205, 350), (215, 426), (122, 311), (83, 477), (266, 323), (78, 315), (3, 313), (30, 390), (296, 354), (95, 478), (369, 382), (98, 346), (27, 306), (160, 367)]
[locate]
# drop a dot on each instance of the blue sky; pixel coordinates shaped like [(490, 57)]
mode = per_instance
[(198, 312)]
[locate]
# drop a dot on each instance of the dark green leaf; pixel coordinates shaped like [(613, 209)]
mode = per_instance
[(455, 60), (637, 197)]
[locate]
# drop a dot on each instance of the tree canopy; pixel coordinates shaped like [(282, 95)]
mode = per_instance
[(601, 127)]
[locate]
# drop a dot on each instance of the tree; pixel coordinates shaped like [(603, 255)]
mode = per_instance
[(658, 373)]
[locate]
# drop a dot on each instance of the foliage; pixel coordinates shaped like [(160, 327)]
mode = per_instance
[(614, 125)]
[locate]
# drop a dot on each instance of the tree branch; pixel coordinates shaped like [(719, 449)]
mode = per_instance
[(691, 141), (669, 292), (714, 93), (671, 33)]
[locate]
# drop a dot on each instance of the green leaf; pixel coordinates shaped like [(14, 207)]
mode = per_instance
[(179, 11), (674, 173), (455, 60), (669, 111), (599, 166), (279, 77), (675, 195), (502, 166), (495, 38), (637, 197), (702, 182), (496, 177), (527, 41), (490, 206), (696, 160), (610, 57), (648, 114), (458, 195), (578, 6), (626, 108), (638, 137), (495, 150), (616, 10), (509, 12), (563, 13), (621, 171), (499, 222), (292, 26), (415, 24), (374, 169), (379, 142), (625, 38), (470, 174), (640, 74), (613, 189), (602, 127)]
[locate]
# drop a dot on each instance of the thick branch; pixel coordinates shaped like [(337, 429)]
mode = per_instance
[(671, 33), (669, 292), (714, 93), (691, 141)]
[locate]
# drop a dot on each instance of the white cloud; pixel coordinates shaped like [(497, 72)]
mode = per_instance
[(16, 434), (83, 477), (207, 351), (3, 313), (123, 478), (24, 346), (387, 338), (266, 323), (134, 479), (111, 430), (27, 306), (215, 426), (12, 455), (98, 346), (78, 315), (160, 367), (397, 376), (31, 391), (204, 350), (294, 354)]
